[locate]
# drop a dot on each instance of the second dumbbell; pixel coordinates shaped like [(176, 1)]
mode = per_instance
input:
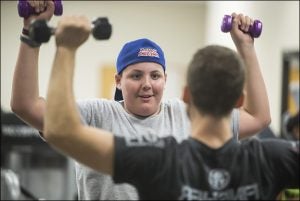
[(40, 31), (254, 30)]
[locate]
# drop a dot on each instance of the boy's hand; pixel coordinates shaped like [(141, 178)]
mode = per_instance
[(72, 31), (240, 27)]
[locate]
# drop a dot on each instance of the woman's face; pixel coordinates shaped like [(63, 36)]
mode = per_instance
[(142, 86)]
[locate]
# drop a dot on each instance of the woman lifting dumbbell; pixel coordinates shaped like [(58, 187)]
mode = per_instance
[(141, 79)]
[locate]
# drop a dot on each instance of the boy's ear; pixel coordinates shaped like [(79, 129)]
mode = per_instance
[(186, 96), (118, 81), (239, 103)]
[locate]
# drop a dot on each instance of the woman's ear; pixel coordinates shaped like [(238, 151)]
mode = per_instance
[(118, 81), (165, 80), (239, 103), (186, 96)]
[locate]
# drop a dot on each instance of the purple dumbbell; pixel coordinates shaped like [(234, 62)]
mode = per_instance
[(254, 30), (25, 10)]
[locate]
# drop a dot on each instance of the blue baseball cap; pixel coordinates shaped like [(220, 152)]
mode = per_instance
[(141, 50)]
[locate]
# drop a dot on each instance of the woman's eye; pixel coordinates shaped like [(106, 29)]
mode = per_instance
[(135, 76), (155, 76)]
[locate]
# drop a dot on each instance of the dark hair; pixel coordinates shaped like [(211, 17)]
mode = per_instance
[(215, 77)]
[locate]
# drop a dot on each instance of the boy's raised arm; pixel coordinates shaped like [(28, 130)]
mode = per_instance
[(63, 128), (255, 113)]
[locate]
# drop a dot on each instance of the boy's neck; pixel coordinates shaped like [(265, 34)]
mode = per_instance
[(211, 131)]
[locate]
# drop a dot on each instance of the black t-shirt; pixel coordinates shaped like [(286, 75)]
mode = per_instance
[(162, 168)]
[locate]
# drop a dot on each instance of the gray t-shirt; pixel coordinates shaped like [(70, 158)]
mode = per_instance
[(110, 115)]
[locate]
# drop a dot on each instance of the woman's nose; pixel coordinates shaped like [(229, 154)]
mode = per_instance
[(146, 83)]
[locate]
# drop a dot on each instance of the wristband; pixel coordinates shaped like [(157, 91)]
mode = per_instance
[(28, 41), (25, 32)]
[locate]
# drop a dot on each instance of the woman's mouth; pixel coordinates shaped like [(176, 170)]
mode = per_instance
[(145, 97)]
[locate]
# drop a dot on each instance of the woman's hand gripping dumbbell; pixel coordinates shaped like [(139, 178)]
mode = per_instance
[(25, 9), (40, 31), (254, 30)]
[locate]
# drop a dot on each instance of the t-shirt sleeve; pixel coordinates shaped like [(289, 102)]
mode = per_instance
[(283, 158), (142, 159), (85, 109)]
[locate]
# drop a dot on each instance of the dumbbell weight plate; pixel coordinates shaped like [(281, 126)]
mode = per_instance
[(23, 9), (226, 23), (102, 28), (58, 8), (255, 29), (39, 31)]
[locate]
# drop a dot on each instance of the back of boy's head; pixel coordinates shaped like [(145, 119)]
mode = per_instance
[(215, 77)]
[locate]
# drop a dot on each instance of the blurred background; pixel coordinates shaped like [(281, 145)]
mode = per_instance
[(180, 28)]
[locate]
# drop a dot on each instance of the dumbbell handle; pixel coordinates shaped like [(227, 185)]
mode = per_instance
[(254, 30), (40, 31), (25, 10)]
